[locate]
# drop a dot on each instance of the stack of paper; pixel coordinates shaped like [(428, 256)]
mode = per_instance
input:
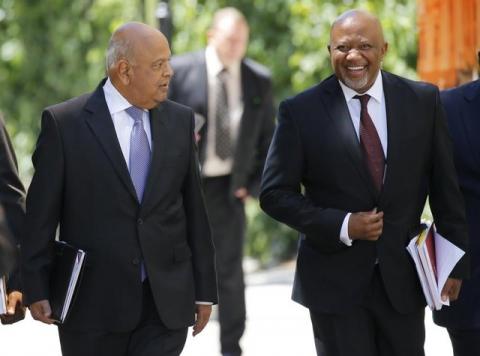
[(3, 296), (434, 257)]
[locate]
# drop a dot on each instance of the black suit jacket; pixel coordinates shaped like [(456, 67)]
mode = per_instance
[(463, 107), (82, 184), (315, 146), (12, 198), (189, 86)]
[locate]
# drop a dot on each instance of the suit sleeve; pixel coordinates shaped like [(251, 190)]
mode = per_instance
[(12, 198), (199, 234), (446, 201), (281, 193), (44, 202)]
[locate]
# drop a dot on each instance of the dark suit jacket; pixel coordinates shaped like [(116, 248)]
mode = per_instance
[(315, 145), (12, 198), (82, 184), (189, 86), (463, 113)]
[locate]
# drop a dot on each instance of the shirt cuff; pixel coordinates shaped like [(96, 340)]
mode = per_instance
[(203, 303), (344, 231)]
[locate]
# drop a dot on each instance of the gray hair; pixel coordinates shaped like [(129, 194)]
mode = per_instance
[(118, 48)]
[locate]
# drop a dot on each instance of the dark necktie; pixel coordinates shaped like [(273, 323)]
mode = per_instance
[(139, 160), (223, 144), (371, 144)]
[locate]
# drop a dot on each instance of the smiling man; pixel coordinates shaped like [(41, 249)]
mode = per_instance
[(116, 170), (367, 146)]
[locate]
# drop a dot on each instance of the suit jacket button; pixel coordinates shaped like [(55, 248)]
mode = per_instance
[(139, 221), (135, 261)]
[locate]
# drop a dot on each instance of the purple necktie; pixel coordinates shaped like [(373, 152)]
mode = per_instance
[(371, 144), (139, 160), (139, 152)]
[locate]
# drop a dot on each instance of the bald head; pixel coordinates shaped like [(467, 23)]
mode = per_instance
[(358, 16), (228, 35), (138, 64), (357, 48)]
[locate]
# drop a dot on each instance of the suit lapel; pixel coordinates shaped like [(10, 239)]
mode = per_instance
[(399, 123), (159, 130), (247, 120), (338, 111), (100, 122)]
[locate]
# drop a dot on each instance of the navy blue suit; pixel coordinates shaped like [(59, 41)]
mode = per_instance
[(462, 105)]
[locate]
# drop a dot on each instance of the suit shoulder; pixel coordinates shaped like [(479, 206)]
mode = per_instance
[(468, 90), (66, 108), (313, 93), (257, 68), (416, 86), (187, 60)]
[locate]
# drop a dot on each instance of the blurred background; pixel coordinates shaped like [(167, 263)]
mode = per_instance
[(52, 50)]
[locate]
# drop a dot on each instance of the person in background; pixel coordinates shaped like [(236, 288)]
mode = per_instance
[(462, 319), (12, 217), (233, 95), (350, 166), (117, 171)]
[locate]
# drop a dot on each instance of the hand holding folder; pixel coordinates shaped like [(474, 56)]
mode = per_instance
[(64, 283)]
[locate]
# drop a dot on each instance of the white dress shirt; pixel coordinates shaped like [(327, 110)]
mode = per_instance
[(213, 166), (377, 111), (122, 122)]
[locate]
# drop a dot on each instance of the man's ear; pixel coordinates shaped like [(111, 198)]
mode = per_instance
[(123, 70)]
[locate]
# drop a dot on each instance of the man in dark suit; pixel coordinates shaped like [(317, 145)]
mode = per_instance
[(234, 96), (462, 319), (12, 221), (117, 171), (367, 146)]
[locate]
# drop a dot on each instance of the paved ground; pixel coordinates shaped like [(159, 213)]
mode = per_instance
[(276, 326)]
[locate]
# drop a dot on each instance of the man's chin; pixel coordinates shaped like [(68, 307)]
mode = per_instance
[(358, 85)]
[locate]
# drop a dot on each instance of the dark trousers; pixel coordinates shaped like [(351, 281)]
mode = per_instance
[(373, 328), (465, 342), (150, 337), (227, 219)]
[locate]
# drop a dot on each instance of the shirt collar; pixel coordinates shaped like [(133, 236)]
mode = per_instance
[(116, 102), (215, 66), (376, 90)]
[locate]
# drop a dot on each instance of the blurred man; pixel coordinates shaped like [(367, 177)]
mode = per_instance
[(367, 146), (12, 220), (234, 96), (117, 171), (462, 319)]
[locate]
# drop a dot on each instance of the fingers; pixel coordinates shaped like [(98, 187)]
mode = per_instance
[(203, 315), (41, 311), (14, 300), (451, 289), (366, 225)]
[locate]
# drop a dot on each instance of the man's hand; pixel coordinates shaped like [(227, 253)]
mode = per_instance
[(451, 289), (241, 194), (203, 315), (15, 308), (42, 311), (365, 225)]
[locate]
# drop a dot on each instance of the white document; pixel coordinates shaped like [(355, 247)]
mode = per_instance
[(3, 296), (433, 274), (73, 282)]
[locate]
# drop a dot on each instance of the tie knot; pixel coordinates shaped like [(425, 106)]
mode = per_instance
[(223, 74), (135, 113), (363, 99)]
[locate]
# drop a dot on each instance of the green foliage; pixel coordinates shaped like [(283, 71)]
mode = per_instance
[(51, 50), (291, 37)]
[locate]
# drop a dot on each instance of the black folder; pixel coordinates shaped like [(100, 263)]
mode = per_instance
[(68, 265)]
